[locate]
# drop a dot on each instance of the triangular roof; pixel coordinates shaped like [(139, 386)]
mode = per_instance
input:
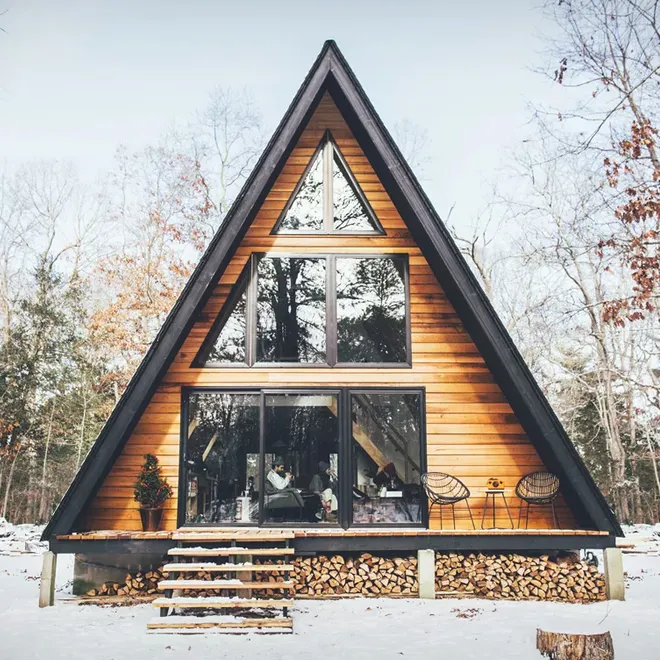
[(331, 73)]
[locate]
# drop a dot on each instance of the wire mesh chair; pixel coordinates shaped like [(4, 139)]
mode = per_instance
[(537, 489), (444, 490)]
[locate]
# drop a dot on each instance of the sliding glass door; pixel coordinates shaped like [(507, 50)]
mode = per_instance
[(303, 457), (301, 454)]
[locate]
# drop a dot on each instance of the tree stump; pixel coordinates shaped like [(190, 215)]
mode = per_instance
[(564, 646)]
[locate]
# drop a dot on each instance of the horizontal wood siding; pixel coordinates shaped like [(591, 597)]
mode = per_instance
[(472, 432)]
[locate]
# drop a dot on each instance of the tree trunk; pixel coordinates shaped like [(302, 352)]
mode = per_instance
[(82, 429), (10, 477), (654, 462), (563, 646), (42, 499)]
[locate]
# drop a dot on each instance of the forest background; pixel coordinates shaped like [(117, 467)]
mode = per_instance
[(567, 249)]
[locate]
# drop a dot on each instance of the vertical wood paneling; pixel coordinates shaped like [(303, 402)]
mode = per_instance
[(472, 432)]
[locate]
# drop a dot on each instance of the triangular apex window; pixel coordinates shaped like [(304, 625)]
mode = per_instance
[(327, 199), (226, 343)]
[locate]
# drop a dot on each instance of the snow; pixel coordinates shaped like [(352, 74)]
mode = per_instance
[(17, 539), (356, 629), (217, 618), (211, 564), (216, 599), (645, 537)]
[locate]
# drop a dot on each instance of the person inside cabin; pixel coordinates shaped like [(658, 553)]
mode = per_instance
[(324, 484), (278, 477), (388, 478)]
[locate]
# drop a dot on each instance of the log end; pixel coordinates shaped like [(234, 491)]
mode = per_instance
[(567, 646)]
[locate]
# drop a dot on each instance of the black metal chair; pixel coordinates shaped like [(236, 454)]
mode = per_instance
[(444, 490), (537, 489)]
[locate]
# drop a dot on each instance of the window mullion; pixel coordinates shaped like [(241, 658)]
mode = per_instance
[(331, 311), (328, 219), (251, 313)]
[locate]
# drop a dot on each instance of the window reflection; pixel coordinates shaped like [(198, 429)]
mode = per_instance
[(229, 347), (337, 197), (301, 468), (349, 212), (371, 310), (291, 310), (306, 212), (386, 448), (222, 458)]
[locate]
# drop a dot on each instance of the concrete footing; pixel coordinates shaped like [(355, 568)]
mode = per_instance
[(47, 586), (614, 581), (426, 573)]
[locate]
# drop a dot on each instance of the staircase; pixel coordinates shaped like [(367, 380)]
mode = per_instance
[(229, 556)]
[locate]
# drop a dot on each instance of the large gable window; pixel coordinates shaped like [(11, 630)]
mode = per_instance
[(304, 212), (230, 336), (333, 310), (291, 323), (327, 199), (371, 310)]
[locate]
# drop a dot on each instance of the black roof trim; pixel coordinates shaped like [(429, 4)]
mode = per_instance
[(331, 73)]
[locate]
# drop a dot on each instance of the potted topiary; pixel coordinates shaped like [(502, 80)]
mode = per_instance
[(151, 491)]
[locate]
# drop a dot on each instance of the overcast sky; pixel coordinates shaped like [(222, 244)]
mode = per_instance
[(80, 77)]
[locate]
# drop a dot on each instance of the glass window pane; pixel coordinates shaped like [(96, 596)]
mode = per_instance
[(229, 347), (386, 451), (222, 458), (349, 212), (291, 310), (371, 310), (306, 212), (302, 451)]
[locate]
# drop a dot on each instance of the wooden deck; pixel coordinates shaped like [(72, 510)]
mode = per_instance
[(238, 533)]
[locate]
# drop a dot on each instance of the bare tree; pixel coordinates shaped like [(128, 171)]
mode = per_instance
[(609, 52), (415, 144)]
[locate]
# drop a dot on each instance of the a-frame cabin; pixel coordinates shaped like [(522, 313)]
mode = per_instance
[(332, 326)]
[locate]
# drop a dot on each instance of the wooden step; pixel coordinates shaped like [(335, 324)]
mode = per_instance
[(215, 602), (221, 584), (219, 624), (222, 535), (229, 552), (229, 568), (236, 531)]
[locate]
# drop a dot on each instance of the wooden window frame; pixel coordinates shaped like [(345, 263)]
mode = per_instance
[(248, 278), (328, 149)]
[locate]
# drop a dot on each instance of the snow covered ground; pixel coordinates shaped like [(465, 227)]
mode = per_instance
[(350, 629)]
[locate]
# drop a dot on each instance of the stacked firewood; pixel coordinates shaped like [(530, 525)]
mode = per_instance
[(518, 577), (508, 576), (140, 584), (366, 575)]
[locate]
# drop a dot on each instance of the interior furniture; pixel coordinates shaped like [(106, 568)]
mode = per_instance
[(444, 490), (279, 501), (537, 489)]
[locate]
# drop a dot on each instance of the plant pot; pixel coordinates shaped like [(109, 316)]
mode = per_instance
[(150, 519)]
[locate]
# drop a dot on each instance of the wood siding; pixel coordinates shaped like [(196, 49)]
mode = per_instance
[(472, 432)]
